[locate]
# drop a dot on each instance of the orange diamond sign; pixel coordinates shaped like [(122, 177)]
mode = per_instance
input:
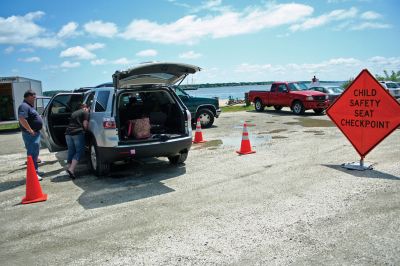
[(365, 112)]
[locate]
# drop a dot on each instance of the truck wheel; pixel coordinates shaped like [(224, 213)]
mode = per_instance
[(278, 107), (258, 105), (178, 159), (206, 117), (319, 111), (298, 108), (98, 167)]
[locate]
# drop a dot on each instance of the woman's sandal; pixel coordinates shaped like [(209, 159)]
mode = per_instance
[(71, 175)]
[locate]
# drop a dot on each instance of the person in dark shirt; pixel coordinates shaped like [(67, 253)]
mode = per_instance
[(75, 137), (30, 123)]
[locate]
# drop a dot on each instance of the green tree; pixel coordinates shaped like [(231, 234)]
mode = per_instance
[(347, 83), (393, 76)]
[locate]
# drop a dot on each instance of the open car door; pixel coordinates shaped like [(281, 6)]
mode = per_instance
[(56, 119)]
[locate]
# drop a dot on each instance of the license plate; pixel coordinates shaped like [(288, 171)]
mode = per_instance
[(133, 152)]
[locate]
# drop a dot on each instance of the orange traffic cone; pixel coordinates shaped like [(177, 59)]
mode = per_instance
[(198, 137), (245, 147), (33, 189)]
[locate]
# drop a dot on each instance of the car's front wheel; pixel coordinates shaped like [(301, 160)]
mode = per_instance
[(178, 159), (97, 165), (298, 108), (206, 117)]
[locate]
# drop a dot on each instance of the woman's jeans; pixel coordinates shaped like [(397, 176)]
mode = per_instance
[(76, 146), (32, 145)]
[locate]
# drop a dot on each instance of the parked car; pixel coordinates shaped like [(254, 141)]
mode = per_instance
[(148, 87), (392, 87), (207, 109), (332, 91), (291, 94)]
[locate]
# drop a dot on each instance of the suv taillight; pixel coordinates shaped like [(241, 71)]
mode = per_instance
[(109, 123), (188, 115)]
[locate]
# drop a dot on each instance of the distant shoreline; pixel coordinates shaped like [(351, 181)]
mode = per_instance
[(234, 84)]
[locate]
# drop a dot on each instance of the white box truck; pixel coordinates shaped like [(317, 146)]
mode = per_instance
[(12, 91)]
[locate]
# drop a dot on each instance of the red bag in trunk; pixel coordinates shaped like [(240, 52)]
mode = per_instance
[(139, 128)]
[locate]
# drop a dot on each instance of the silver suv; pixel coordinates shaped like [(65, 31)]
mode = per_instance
[(392, 87), (149, 87)]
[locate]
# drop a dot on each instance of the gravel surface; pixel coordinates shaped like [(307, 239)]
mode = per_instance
[(291, 202)]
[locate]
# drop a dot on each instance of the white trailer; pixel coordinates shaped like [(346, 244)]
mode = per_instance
[(12, 91)]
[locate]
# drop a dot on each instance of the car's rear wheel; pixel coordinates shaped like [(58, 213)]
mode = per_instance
[(278, 107), (97, 165), (258, 105), (178, 159), (206, 117)]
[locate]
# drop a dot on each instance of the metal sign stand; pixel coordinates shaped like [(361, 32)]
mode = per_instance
[(358, 166)]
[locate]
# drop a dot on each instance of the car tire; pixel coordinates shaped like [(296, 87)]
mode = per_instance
[(298, 108), (206, 117), (97, 165), (258, 105), (319, 111), (278, 107), (178, 159)]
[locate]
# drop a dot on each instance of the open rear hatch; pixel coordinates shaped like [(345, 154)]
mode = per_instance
[(152, 74), (148, 110), (146, 114)]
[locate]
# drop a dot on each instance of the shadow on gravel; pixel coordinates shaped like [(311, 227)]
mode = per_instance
[(283, 112), (127, 182), (366, 173), (11, 184)]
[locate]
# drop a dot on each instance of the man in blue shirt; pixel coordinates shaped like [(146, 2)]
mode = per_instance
[(30, 123)]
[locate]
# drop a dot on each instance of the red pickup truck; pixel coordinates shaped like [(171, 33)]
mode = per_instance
[(290, 94)]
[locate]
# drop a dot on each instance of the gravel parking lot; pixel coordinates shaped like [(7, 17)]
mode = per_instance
[(289, 203)]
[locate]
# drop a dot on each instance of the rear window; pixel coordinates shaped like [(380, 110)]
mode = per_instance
[(101, 101)]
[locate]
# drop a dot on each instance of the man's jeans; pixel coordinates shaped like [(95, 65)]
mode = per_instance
[(32, 145)]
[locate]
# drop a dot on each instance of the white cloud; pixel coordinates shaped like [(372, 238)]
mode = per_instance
[(370, 15), (100, 28), (33, 59), (9, 50), (332, 69), (98, 62), (46, 42), (68, 64), (23, 30), (122, 61), (335, 15), (391, 63), (190, 55), (213, 5), (94, 46), (190, 29), (27, 50), (145, 53), (68, 30), (371, 25), (78, 52)]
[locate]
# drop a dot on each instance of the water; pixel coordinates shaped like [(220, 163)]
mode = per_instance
[(236, 92)]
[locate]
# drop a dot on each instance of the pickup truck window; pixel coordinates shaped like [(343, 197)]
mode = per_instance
[(273, 87), (180, 92), (297, 87), (282, 88)]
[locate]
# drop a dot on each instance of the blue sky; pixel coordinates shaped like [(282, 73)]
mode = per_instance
[(70, 44)]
